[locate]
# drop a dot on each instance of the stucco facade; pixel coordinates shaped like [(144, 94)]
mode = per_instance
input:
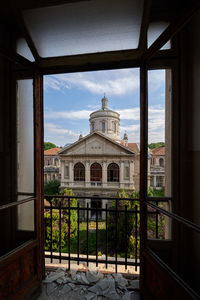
[(96, 148), (157, 168)]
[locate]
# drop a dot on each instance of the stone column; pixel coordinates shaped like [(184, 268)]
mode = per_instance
[(71, 175), (104, 174), (87, 174), (121, 174), (154, 181), (62, 170), (131, 174)]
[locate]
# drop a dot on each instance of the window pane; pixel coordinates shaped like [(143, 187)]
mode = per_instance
[(25, 137), (159, 132), (25, 214), (154, 31), (85, 27), (17, 226)]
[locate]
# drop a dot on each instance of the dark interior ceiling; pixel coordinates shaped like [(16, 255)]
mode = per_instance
[(156, 10), (165, 10)]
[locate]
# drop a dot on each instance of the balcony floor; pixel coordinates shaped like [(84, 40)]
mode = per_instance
[(88, 285)]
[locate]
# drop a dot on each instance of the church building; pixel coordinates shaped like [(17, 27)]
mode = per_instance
[(99, 163)]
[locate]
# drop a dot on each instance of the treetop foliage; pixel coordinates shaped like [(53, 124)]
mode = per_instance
[(156, 145), (52, 187), (49, 145)]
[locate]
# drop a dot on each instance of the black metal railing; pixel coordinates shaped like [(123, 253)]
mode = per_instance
[(119, 241)]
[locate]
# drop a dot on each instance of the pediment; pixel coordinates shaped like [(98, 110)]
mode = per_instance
[(95, 144)]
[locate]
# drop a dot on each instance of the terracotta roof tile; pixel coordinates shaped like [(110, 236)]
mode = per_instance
[(52, 151), (158, 151), (133, 147)]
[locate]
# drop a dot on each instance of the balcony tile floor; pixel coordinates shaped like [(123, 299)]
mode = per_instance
[(90, 285)]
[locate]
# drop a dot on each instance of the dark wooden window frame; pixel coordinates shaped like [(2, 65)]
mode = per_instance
[(92, 62), (79, 172), (96, 172), (113, 172)]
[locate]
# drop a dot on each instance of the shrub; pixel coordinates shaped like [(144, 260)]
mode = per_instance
[(64, 222), (52, 187), (126, 237), (125, 234)]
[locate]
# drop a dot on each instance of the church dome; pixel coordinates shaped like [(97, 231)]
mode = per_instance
[(105, 121)]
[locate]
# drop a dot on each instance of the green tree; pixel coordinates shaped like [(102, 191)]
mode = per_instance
[(52, 187), (63, 222), (156, 145), (125, 233), (49, 145)]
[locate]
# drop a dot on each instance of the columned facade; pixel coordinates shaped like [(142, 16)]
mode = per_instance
[(125, 180)]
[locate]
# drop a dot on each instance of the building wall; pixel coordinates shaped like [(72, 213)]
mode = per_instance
[(51, 168), (157, 171)]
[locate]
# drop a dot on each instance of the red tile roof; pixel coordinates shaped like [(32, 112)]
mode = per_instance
[(158, 151), (133, 147), (52, 151)]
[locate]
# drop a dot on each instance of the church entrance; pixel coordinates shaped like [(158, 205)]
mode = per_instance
[(96, 203)]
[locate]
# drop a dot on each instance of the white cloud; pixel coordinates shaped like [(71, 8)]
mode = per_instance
[(53, 128), (130, 114), (59, 136), (52, 83), (114, 82), (156, 124), (93, 106), (71, 115), (156, 78), (111, 82)]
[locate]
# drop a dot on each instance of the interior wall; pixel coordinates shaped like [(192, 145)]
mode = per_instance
[(7, 173), (189, 201)]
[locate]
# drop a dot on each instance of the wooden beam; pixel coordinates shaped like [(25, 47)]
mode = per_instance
[(171, 30), (25, 34), (143, 167), (144, 26), (39, 177), (90, 62)]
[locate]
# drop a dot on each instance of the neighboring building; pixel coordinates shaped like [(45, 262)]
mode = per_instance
[(157, 168), (51, 164)]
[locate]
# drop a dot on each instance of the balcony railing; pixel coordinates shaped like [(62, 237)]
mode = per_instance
[(96, 230)]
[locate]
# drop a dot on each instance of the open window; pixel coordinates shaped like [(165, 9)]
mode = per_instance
[(48, 37)]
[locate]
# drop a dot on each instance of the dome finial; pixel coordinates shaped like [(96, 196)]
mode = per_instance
[(80, 136), (125, 136), (104, 101)]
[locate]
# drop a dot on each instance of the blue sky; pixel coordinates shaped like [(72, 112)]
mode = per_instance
[(70, 98)]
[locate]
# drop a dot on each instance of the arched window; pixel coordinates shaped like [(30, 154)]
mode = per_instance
[(161, 162), (79, 172), (95, 172), (113, 173)]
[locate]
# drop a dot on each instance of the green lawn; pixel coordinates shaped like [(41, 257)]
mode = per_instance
[(91, 239)]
